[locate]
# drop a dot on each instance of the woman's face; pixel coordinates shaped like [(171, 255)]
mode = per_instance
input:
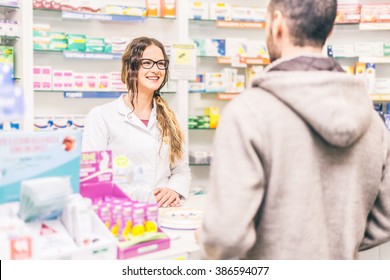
[(152, 70)]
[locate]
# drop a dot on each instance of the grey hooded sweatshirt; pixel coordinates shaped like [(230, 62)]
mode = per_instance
[(301, 168)]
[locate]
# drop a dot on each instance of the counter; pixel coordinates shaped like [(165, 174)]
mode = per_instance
[(183, 244)]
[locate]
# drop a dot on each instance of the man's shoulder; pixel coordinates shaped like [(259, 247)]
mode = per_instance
[(252, 99)]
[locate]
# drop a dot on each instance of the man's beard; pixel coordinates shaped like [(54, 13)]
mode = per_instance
[(274, 54)]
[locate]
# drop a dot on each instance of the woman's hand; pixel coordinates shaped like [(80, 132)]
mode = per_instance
[(166, 197)]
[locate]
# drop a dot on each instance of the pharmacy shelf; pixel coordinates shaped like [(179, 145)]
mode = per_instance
[(347, 24), (242, 60), (92, 94), (84, 55), (220, 95), (380, 97), (375, 26), (373, 59), (71, 15), (71, 94), (101, 17), (93, 56), (230, 24), (345, 57)]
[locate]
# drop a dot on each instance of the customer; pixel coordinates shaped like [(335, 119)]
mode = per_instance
[(301, 167), (141, 126)]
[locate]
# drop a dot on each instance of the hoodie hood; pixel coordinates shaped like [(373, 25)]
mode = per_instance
[(336, 105)]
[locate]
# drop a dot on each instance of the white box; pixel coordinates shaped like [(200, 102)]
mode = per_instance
[(240, 13), (369, 49), (43, 123), (382, 86), (215, 82), (236, 47), (119, 44), (343, 50), (198, 10), (259, 14), (78, 121), (62, 122), (220, 11)]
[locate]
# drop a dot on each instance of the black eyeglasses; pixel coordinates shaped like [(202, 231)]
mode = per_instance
[(147, 63)]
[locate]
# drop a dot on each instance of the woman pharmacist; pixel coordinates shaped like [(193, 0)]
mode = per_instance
[(141, 126)]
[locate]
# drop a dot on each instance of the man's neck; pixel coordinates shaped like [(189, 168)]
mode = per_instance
[(292, 51)]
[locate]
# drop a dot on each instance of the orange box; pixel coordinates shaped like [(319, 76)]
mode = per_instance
[(348, 13), (153, 8), (168, 8), (375, 13)]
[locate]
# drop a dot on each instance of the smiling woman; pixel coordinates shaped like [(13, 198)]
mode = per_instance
[(141, 126)]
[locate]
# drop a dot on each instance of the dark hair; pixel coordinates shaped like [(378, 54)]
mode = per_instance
[(171, 133), (309, 21)]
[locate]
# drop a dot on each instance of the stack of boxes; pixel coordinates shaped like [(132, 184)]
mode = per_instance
[(137, 8), (66, 80), (59, 122), (209, 120), (200, 10), (218, 82), (364, 70)]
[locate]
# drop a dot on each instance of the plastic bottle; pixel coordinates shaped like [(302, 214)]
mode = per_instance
[(142, 191)]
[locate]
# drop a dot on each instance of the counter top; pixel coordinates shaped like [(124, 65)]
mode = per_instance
[(183, 244)]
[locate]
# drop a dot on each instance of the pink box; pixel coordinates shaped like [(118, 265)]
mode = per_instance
[(96, 167), (46, 77), (144, 248), (58, 80), (99, 190), (37, 71)]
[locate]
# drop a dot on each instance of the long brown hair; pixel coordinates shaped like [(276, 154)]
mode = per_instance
[(171, 132)]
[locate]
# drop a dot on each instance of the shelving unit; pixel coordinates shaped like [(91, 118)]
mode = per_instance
[(167, 30), (202, 139)]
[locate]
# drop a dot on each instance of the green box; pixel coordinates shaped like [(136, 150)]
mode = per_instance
[(41, 33), (95, 44), (41, 46), (77, 42), (58, 35), (386, 49), (58, 44)]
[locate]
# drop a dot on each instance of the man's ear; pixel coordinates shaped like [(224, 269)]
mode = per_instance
[(277, 25)]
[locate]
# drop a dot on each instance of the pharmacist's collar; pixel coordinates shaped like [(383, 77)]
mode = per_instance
[(125, 111)]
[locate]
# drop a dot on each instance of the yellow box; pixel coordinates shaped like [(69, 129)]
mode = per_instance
[(360, 69), (213, 114)]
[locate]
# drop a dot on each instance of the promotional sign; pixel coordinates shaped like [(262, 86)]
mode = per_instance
[(28, 155)]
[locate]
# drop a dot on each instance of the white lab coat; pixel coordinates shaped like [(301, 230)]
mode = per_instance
[(114, 127)]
